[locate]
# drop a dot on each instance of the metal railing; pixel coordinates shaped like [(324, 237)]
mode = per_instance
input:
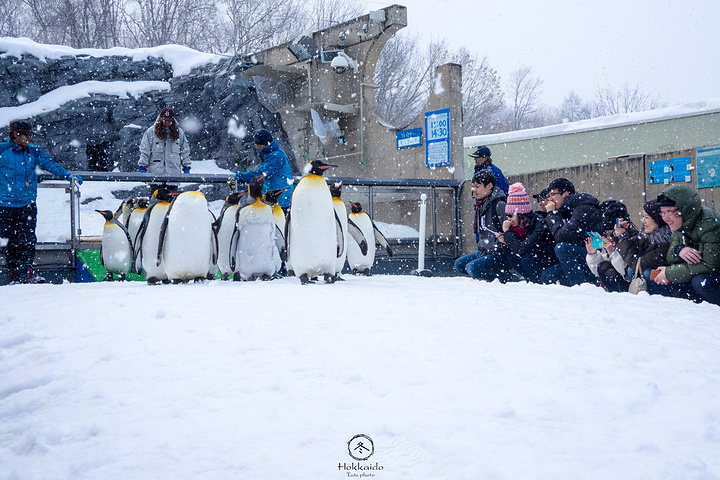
[(388, 200)]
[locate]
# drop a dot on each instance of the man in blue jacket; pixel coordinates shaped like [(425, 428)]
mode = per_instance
[(18, 192), (275, 167)]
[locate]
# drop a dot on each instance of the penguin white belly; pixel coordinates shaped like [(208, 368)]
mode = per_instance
[(257, 253), (136, 217), (313, 234), (342, 214), (227, 225), (188, 238), (355, 258), (151, 241), (116, 252)]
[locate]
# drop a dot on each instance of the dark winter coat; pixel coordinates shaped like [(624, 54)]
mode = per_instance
[(700, 230), (277, 170), (501, 180), (18, 176), (650, 248), (538, 240), (489, 217), (578, 214)]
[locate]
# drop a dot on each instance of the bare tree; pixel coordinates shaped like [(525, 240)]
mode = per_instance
[(259, 24), (405, 77), (15, 19), (524, 93), (482, 96), (78, 23), (322, 14), (182, 22), (609, 101), (575, 108)]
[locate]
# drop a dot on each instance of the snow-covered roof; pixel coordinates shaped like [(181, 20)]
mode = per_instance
[(182, 59), (620, 120)]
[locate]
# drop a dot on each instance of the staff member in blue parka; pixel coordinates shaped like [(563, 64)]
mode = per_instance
[(19, 160), (275, 167)]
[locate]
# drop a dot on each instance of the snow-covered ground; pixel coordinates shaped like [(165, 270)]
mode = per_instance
[(449, 377)]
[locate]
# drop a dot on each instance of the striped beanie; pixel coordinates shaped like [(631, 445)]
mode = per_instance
[(517, 200)]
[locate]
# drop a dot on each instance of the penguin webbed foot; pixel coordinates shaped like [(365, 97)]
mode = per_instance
[(367, 273), (109, 278), (338, 278), (305, 280), (329, 278)]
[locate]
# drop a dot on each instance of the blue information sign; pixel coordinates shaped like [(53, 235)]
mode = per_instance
[(708, 166), (437, 138), (409, 138), (669, 170)]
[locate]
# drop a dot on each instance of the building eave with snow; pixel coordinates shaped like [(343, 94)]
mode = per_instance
[(596, 140)]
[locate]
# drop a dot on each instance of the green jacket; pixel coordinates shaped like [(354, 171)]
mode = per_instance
[(700, 230)]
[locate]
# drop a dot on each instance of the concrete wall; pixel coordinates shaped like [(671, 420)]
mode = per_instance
[(624, 178), (541, 151), (369, 148)]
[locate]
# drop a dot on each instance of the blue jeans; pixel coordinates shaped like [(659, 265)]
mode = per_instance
[(572, 268), (484, 267), (707, 285), (531, 265)]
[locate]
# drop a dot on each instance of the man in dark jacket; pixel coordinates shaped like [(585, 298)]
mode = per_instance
[(275, 167), (18, 192), (694, 253), (483, 161), (488, 262), (570, 216)]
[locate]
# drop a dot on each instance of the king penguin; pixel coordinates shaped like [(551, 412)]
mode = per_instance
[(359, 261), (312, 228), (135, 220), (224, 228), (147, 255), (253, 240), (186, 238), (115, 250)]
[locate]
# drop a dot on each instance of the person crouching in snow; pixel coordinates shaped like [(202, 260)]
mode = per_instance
[(527, 236), (489, 261)]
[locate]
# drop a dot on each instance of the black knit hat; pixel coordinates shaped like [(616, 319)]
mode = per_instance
[(263, 137), (563, 185), (21, 127), (652, 208), (665, 201), (612, 210)]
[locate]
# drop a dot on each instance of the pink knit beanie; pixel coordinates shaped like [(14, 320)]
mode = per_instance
[(517, 200)]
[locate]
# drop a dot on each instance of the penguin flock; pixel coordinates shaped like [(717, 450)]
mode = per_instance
[(173, 237)]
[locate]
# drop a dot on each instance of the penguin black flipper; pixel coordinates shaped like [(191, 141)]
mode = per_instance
[(137, 246), (287, 235), (163, 230), (340, 235), (358, 236), (214, 239), (234, 239), (381, 239), (280, 243)]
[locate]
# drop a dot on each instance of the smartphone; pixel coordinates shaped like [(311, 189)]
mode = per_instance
[(617, 222), (597, 240)]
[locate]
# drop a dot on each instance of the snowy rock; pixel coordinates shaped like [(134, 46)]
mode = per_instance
[(102, 131)]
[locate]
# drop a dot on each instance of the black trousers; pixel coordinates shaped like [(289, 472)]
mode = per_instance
[(17, 237)]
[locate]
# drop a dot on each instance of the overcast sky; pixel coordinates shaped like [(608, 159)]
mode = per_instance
[(669, 48)]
